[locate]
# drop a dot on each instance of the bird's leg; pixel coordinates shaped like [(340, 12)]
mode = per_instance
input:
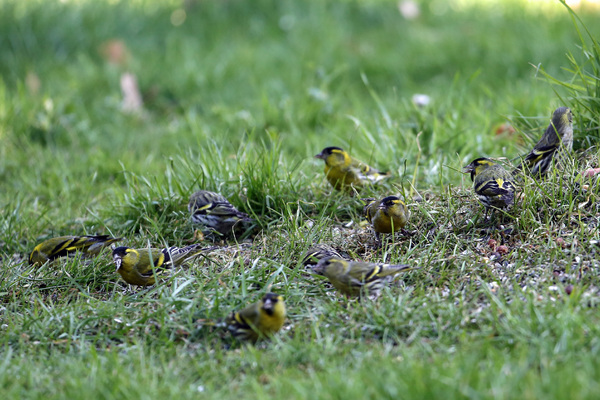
[(377, 240), (485, 215)]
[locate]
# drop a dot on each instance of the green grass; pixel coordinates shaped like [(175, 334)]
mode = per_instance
[(238, 99)]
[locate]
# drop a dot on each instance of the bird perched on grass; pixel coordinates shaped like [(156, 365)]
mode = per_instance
[(261, 319), (356, 278), (65, 246), (555, 143), (137, 266), (345, 173), (318, 252), (493, 185), (215, 212), (387, 215)]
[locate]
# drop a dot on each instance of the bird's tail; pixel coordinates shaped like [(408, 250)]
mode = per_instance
[(389, 269), (188, 251), (368, 201), (244, 217), (209, 322), (517, 170), (197, 248), (97, 243)]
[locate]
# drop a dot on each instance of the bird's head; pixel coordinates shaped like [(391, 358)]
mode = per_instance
[(119, 253), (333, 156), (323, 263), (562, 117), (272, 303), (35, 254), (330, 266), (389, 202), (477, 166)]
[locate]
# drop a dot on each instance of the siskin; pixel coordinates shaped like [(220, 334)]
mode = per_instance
[(260, 319), (318, 252), (66, 246), (214, 211), (346, 173), (355, 278), (556, 141), (493, 185), (387, 215), (136, 265)]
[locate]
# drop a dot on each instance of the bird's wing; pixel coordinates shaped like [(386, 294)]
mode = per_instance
[(538, 153), (159, 260), (370, 208), (175, 254), (68, 245), (362, 272), (318, 252), (362, 168), (220, 209), (248, 316), (202, 198), (494, 187), (78, 242), (389, 269), (364, 171)]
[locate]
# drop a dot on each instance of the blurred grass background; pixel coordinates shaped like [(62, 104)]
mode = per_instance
[(237, 77), (237, 97)]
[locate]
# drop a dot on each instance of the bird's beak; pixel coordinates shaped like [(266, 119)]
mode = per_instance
[(468, 169), (321, 156), (317, 269), (268, 305), (118, 263), (382, 207)]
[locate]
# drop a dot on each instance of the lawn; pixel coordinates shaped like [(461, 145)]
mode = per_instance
[(237, 97)]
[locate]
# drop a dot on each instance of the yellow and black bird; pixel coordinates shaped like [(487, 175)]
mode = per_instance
[(318, 252), (357, 278), (387, 215), (345, 173), (67, 246), (213, 211), (137, 266), (493, 185), (554, 145), (259, 320)]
